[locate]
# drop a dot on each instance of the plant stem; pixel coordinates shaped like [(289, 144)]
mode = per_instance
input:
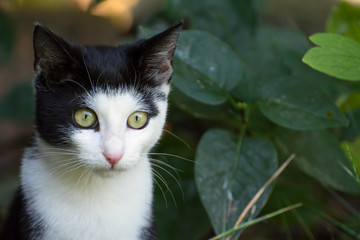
[(261, 191), (257, 220), (240, 142), (227, 34)]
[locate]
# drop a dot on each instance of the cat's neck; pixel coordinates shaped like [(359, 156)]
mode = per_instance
[(80, 200)]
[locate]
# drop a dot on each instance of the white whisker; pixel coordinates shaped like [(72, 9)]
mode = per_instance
[(87, 71), (167, 165), (162, 179), (161, 189), (172, 155), (172, 176), (177, 137)]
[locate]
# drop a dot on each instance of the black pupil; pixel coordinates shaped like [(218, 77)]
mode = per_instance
[(86, 115), (136, 117)]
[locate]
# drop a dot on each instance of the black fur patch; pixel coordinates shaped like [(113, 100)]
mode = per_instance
[(19, 225)]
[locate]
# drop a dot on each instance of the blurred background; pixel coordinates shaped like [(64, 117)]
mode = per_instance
[(112, 22)]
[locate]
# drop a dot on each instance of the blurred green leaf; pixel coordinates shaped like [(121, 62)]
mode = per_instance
[(297, 104), (349, 101), (226, 191), (202, 73), (18, 104), (274, 52), (238, 17), (352, 152), (336, 55), (283, 38), (7, 36), (353, 130), (9, 183), (319, 155), (344, 20), (200, 110)]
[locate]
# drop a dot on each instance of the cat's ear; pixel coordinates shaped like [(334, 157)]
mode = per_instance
[(51, 51), (157, 60)]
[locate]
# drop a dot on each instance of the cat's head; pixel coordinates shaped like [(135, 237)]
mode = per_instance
[(104, 107)]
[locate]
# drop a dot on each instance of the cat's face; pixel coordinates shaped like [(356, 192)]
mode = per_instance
[(102, 107)]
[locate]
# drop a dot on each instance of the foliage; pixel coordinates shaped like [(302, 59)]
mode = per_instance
[(339, 51), (337, 56), (7, 36), (242, 95), (344, 20), (267, 95), (229, 172)]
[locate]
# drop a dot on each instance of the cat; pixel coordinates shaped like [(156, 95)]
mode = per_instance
[(98, 112)]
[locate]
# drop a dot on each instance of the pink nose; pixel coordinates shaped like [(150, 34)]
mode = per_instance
[(113, 159)]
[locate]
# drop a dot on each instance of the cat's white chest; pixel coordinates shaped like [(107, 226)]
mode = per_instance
[(107, 208)]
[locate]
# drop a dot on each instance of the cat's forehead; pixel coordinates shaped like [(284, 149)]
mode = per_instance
[(122, 100), (108, 98)]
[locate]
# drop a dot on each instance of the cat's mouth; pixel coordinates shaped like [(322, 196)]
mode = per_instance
[(108, 171)]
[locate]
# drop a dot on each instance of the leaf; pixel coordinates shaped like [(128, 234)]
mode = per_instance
[(336, 56), (349, 101), (283, 38), (239, 17), (297, 104), (17, 104), (7, 36), (344, 20), (200, 110), (319, 155), (226, 191), (277, 52), (352, 151), (202, 73), (353, 130)]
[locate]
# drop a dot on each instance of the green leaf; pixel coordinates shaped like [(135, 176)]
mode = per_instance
[(336, 56), (274, 52), (319, 155), (239, 17), (352, 151), (353, 130), (202, 73), (200, 110), (226, 191), (297, 104), (17, 104), (344, 20), (7, 36), (349, 101)]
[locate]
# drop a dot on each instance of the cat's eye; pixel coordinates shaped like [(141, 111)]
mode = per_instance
[(137, 120), (85, 118)]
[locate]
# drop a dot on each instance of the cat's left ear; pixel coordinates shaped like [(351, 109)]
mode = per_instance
[(157, 60), (51, 51)]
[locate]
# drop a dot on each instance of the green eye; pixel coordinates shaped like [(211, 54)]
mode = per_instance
[(85, 118), (137, 120)]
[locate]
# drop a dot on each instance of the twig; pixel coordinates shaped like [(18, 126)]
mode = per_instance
[(260, 192), (257, 220)]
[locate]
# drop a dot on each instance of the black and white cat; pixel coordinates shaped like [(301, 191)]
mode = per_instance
[(99, 111)]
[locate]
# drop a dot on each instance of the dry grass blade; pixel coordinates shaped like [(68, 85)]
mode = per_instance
[(260, 192)]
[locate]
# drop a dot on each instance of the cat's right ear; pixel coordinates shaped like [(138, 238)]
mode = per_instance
[(50, 50)]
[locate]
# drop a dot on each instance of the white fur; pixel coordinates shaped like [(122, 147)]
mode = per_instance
[(84, 199)]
